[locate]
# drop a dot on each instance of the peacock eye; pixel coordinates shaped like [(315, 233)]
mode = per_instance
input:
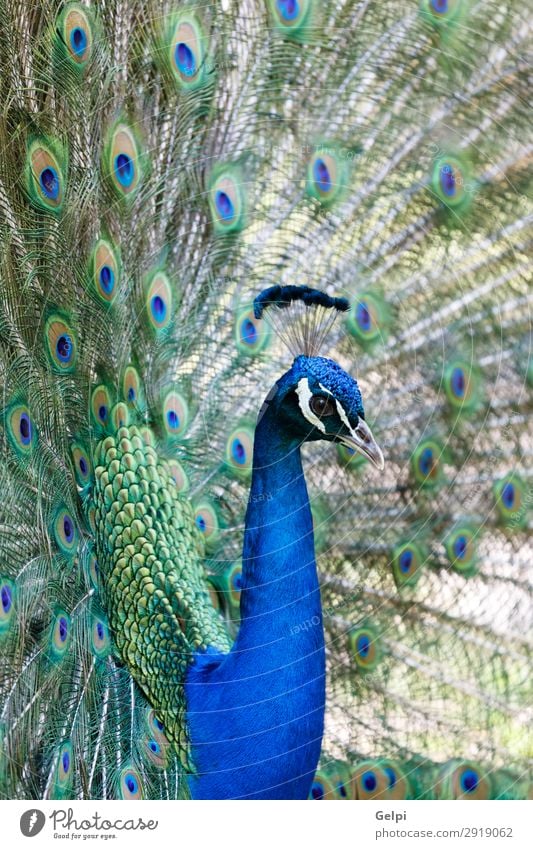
[(321, 406)]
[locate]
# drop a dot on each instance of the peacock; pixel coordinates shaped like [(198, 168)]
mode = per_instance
[(223, 226)]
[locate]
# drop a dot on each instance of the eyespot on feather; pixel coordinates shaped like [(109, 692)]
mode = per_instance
[(231, 585), (294, 19), (207, 521), (120, 416), (60, 635), (21, 430), (398, 783), (63, 773), (187, 52), (130, 784), (75, 28), (462, 780), (82, 462), (461, 548), (441, 13), (61, 345), (159, 302), (451, 181), (252, 336), (327, 175), (101, 405), (132, 392), (65, 532), (45, 175), (408, 559), (511, 500), (239, 451), (7, 605), (365, 647), (322, 787), (175, 415), (369, 319), (123, 161), (100, 637), (369, 781), (105, 271), (178, 475), (426, 463), (227, 199)]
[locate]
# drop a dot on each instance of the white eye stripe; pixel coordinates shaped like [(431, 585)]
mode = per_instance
[(342, 415), (304, 398)]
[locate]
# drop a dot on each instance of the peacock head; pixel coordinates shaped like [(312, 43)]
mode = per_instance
[(316, 398)]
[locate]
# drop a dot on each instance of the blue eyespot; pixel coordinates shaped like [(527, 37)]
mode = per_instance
[(469, 781), (447, 180), (25, 429), (78, 41), (65, 760), (107, 278), (102, 412), (63, 629), (363, 317), (439, 6), (369, 781), (288, 9), (185, 59), (426, 461), (458, 382), (321, 175), (131, 783), (131, 394), (460, 547), (158, 724), (237, 581), (49, 182), (159, 308), (83, 466), (6, 598), (68, 528), (406, 560), (238, 451), (249, 332), (124, 169), (317, 790), (363, 645), (201, 523), (173, 419), (508, 493), (100, 631), (224, 206), (64, 348)]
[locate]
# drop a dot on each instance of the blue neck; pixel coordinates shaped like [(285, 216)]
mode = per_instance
[(280, 585), (256, 715)]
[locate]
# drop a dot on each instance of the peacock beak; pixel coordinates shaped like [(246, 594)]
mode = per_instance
[(360, 439)]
